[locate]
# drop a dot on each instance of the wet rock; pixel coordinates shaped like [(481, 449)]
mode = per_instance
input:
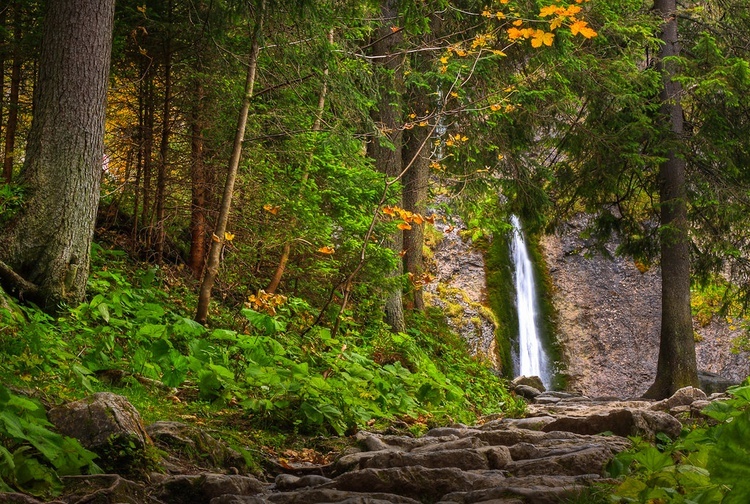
[(96, 420), (202, 488)]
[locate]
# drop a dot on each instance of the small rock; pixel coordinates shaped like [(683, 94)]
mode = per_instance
[(683, 397), (531, 381), (546, 399), (527, 391), (285, 482), (712, 383)]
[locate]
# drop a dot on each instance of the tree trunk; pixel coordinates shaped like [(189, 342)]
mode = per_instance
[(388, 158), (676, 366), (3, 48), (48, 243), (415, 200), (217, 242), (15, 86), (148, 147), (161, 178), (199, 186)]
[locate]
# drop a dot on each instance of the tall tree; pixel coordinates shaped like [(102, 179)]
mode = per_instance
[(676, 366), (15, 85), (219, 237), (45, 249)]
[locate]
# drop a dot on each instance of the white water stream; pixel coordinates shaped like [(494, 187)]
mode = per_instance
[(532, 358)]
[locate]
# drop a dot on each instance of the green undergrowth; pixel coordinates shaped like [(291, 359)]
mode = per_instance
[(708, 463), (265, 370)]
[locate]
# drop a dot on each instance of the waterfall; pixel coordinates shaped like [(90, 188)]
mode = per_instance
[(531, 359)]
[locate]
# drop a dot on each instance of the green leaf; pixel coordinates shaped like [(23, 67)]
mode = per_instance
[(653, 460), (729, 461)]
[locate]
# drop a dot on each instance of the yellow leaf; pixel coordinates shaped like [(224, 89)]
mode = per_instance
[(548, 11), (555, 23), (514, 33), (228, 236), (582, 27), (495, 107), (273, 209), (404, 225), (498, 52), (326, 250), (518, 22), (486, 13), (572, 11), (444, 60), (423, 123)]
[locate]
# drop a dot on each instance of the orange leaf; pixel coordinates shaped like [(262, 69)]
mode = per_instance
[(326, 250), (417, 219), (273, 209), (404, 226)]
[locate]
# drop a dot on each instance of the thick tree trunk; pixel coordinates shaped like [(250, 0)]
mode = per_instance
[(3, 48), (217, 243), (199, 186), (676, 366), (415, 200), (15, 86), (388, 158), (49, 241)]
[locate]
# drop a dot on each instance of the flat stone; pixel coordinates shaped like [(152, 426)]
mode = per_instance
[(315, 496), (622, 422), (417, 482), (202, 488)]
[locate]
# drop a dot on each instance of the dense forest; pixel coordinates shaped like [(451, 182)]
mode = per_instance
[(224, 209)]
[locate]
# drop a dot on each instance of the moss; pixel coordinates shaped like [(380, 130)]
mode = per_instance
[(500, 288)]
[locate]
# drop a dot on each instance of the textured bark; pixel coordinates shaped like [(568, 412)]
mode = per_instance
[(676, 366), (388, 158), (3, 48), (199, 186), (15, 86), (161, 179), (217, 242), (148, 149), (48, 243)]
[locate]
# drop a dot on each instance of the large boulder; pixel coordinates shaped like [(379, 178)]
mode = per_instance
[(202, 488), (108, 425), (97, 419)]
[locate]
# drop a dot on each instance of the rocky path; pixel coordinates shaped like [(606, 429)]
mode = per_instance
[(553, 455)]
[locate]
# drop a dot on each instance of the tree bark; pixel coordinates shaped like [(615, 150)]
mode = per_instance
[(3, 48), (415, 200), (48, 242), (15, 86), (218, 240), (161, 178), (389, 65), (676, 367), (199, 186)]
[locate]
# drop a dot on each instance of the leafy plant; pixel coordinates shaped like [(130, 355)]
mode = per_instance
[(32, 457)]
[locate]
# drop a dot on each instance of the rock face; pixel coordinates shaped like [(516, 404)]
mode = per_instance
[(609, 319), (459, 288)]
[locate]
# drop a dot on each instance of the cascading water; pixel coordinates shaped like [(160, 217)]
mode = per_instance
[(532, 360)]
